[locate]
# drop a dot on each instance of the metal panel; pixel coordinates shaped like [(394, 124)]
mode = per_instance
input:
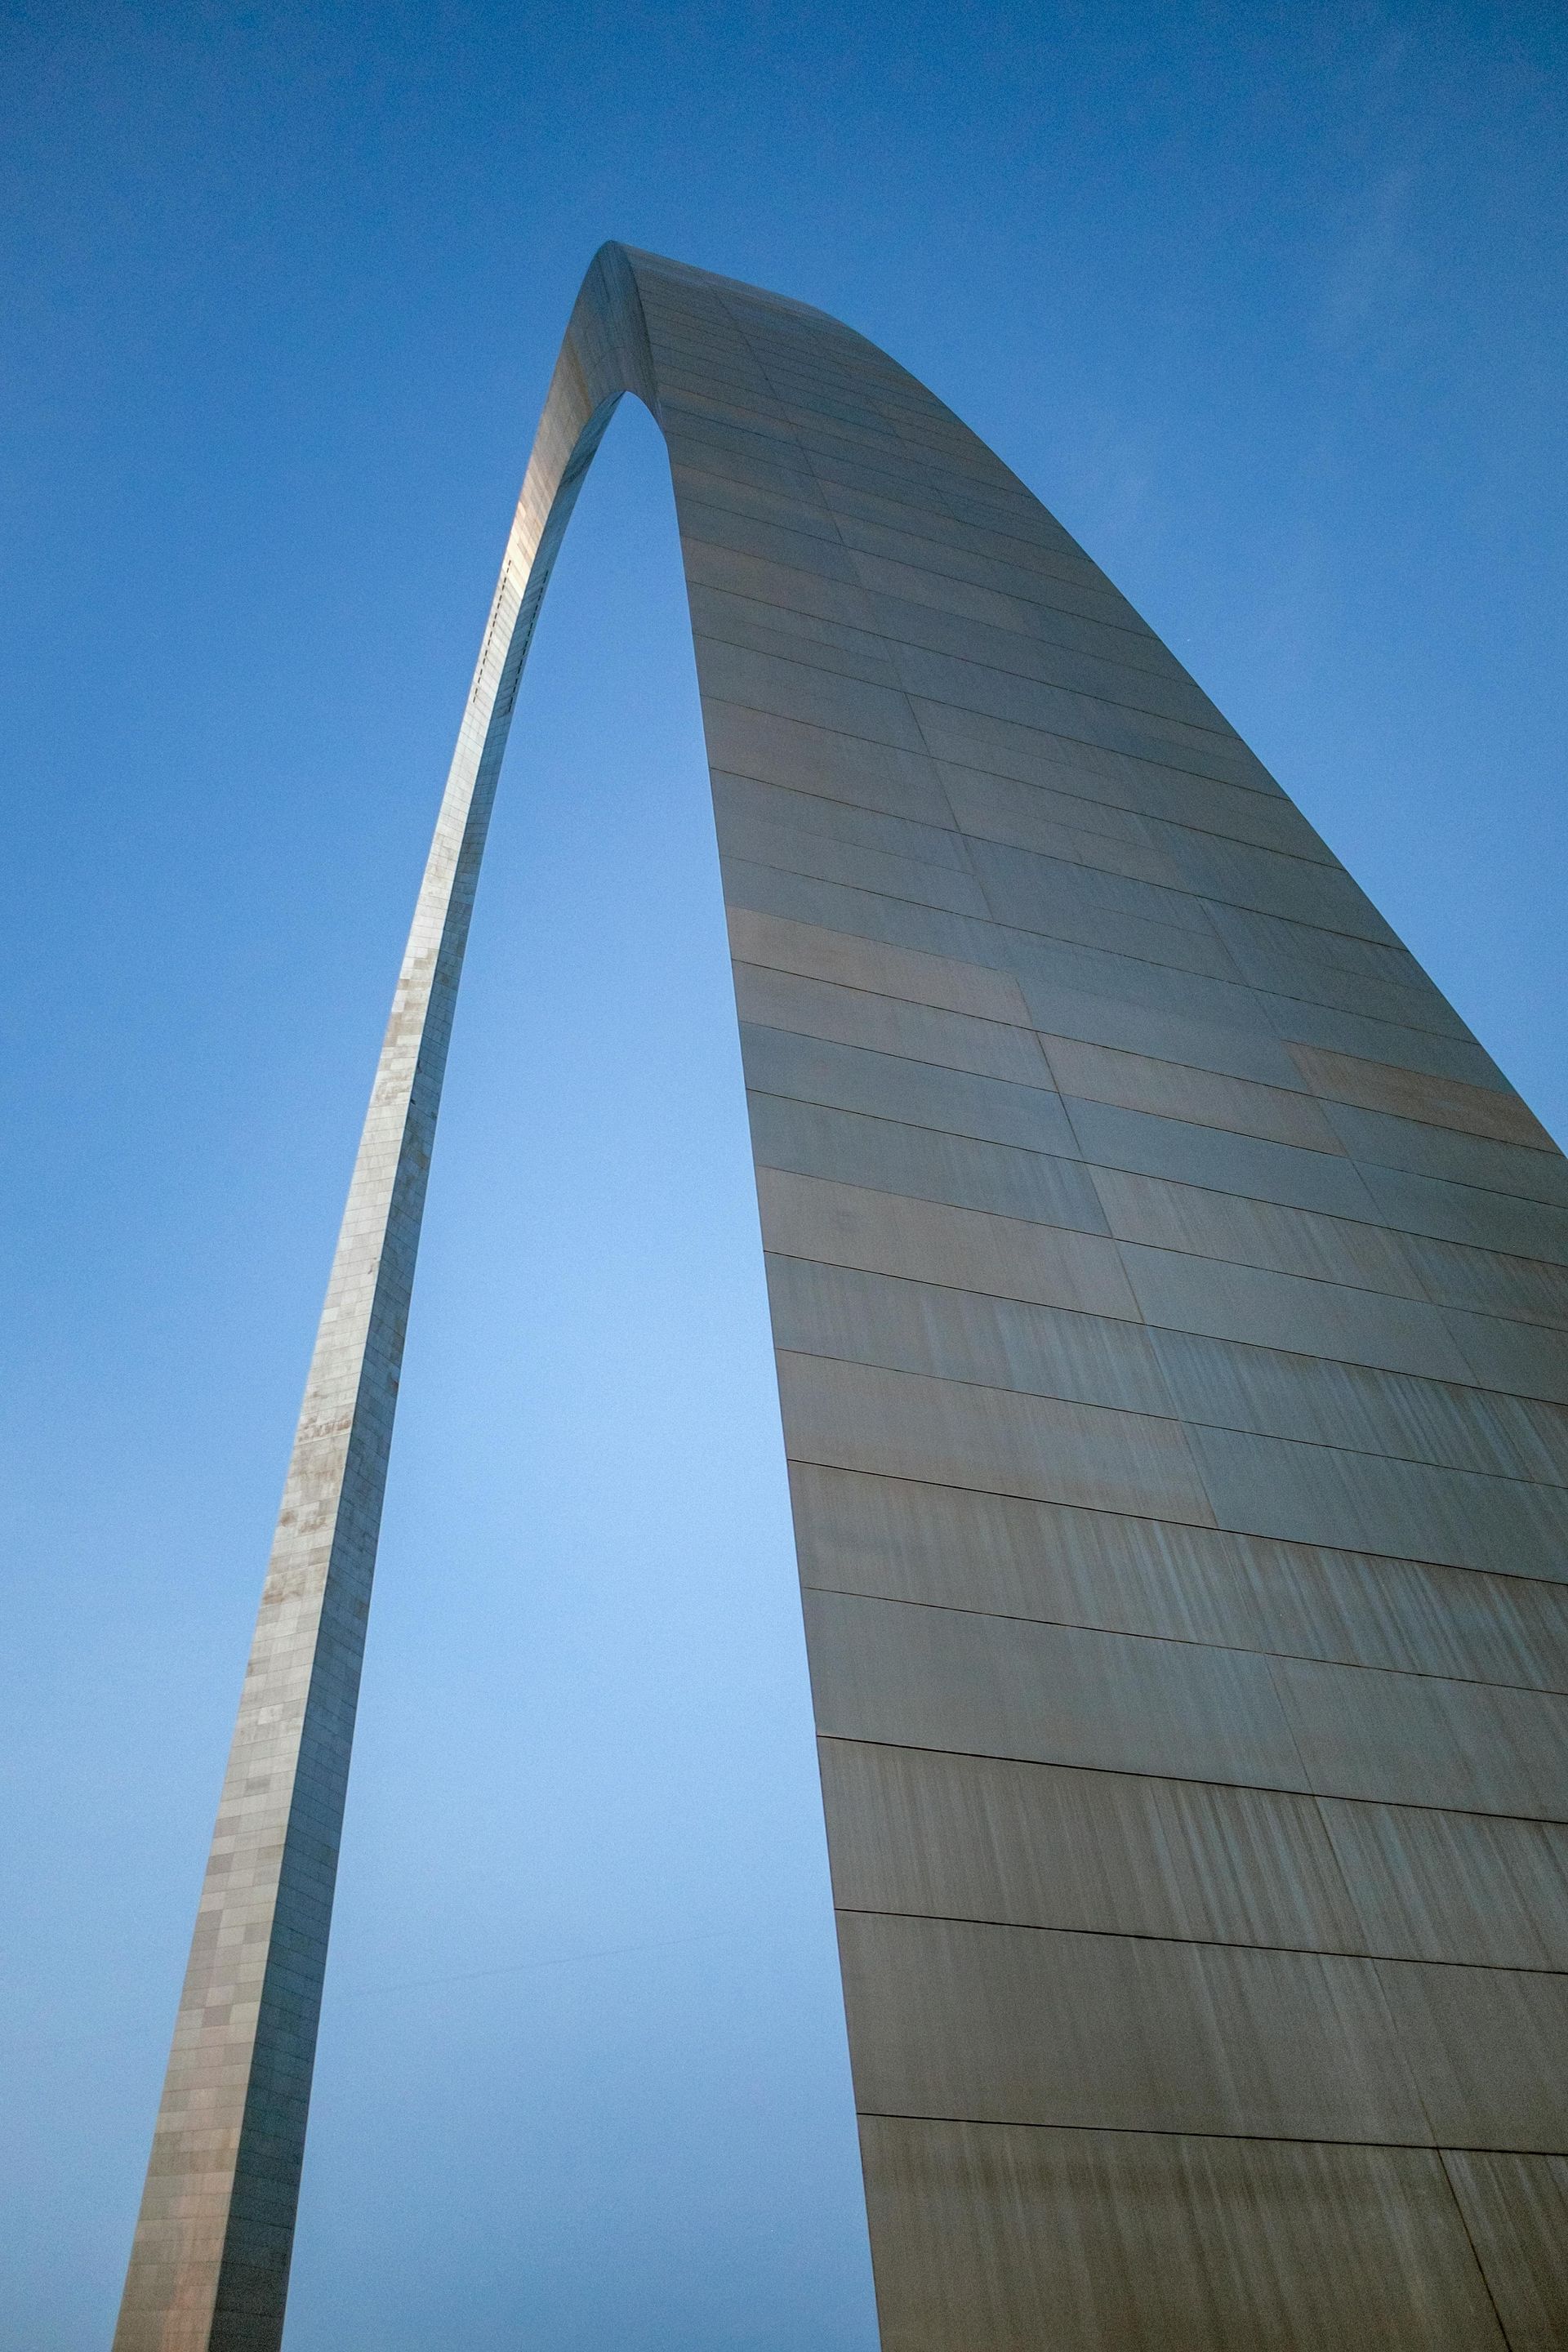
[(1516, 2211), (1363, 1027), (1456, 1886), (1488, 2048), (814, 758), (957, 1335), (1420, 1740), (1167, 1090), (746, 842), (1042, 1845), (1221, 1163), (876, 915), (1051, 969), (914, 1092), (1029, 888), (1226, 1227), (792, 690), (1446, 1153), (1283, 1311), (897, 1425), (1165, 1034), (1000, 2239), (1490, 1283), (1326, 1402), (922, 1163), (819, 952), (741, 799), (1446, 1102), (1242, 874), (925, 1241), (1363, 1502), (1043, 2026), (955, 1549), (888, 1025), (1046, 1694), (1460, 1212), (1526, 1358)]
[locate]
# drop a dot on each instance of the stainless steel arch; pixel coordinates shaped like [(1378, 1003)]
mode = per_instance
[(1170, 1347)]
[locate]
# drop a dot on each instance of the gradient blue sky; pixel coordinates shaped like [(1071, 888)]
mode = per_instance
[(1267, 303)]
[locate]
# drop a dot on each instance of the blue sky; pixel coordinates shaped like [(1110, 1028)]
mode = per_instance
[(1267, 303)]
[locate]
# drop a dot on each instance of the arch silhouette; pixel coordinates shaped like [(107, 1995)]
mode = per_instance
[(1161, 1294)]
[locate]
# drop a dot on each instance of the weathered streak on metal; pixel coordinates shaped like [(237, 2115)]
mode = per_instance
[(1169, 1297)]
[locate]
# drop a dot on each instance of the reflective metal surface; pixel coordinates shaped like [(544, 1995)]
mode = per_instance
[(1171, 1298)]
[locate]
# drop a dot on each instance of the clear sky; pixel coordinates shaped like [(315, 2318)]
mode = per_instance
[(1267, 301)]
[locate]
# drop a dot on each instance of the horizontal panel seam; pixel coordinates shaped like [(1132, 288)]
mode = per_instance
[(925, 694), (687, 449), (1170, 2131), (1211, 1192), (1201, 897), (1179, 1418), (1197, 1641), (1193, 1780), (1197, 1943), (850, 735), (999, 669), (1165, 1519)]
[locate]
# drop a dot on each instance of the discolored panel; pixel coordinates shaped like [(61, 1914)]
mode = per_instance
[(821, 953), (1385, 1086), (1168, 1090)]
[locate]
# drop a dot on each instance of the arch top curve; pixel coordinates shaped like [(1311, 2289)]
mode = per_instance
[(623, 337), (1099, 1121)]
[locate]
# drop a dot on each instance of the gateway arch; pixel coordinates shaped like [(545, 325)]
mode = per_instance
[(1169, 1294)]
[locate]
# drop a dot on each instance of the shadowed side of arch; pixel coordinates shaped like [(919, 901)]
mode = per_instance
[(1168, 1351)]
